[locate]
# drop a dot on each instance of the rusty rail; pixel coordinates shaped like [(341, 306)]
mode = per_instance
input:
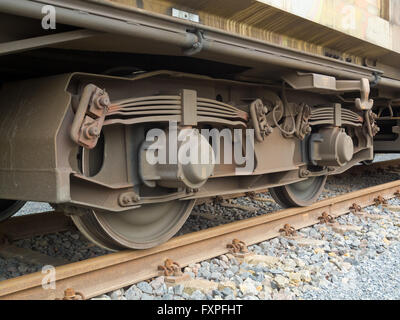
[(106, 273)]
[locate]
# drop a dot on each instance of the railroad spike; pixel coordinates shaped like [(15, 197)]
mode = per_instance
[(170, 268), (380, 201), (237, 246), (355, 208), (326, 218), (71, 294), (288, 230)]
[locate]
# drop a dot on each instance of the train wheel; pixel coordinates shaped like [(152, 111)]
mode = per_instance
[(9, 207), (141, 228), (367, 162), (299, 194)]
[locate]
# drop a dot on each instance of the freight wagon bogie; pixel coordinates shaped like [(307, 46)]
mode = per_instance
[(82, 143)]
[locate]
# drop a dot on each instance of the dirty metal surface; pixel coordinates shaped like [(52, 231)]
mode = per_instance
[(343, 26)]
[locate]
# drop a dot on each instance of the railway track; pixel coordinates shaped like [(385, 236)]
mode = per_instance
[(117, 270)]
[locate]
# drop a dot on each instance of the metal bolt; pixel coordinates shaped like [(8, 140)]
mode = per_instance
[(126, 200), (135, 198), (102, 101), (304, 172), (94, 132), (91, 132), (189, 190)]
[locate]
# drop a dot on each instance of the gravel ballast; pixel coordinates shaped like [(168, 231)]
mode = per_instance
[(332, 263)]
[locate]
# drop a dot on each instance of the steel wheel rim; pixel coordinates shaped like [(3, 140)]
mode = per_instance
[(299, 194), (306, 192), (9, 207), (141, 228)]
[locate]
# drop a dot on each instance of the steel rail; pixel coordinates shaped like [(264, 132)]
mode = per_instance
[(174, 32), (103, 274)]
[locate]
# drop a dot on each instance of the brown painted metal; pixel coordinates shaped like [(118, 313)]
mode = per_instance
[(58, 167), (89, 117), (273, 21), (263, 22), (43, 166), (125, 268), (44, 41), (226, 46)]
